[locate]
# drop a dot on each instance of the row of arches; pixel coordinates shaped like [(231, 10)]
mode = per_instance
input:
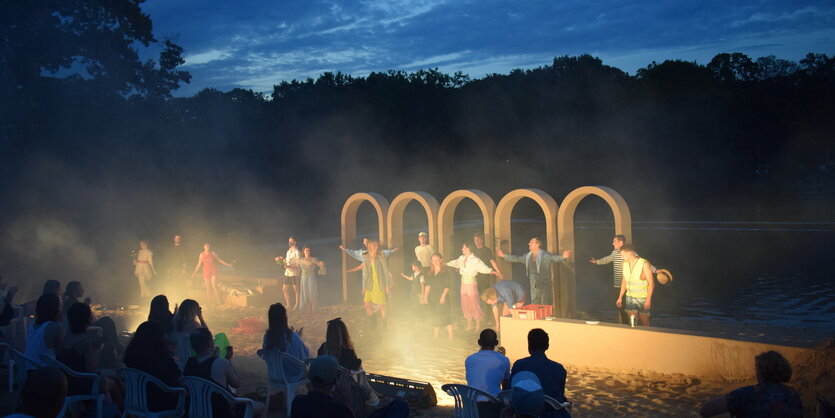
[(559, 226)]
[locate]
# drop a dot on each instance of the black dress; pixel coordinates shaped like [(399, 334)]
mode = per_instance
[(347, 358), (441, 313)]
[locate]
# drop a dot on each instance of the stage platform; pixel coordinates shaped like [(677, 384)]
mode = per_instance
[(621, 348)]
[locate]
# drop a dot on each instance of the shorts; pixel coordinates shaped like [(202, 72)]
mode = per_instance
[(292, 281), (635, 304)]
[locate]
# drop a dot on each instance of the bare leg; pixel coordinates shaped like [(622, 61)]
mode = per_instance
[(449, 331), (369, 310), (207, 284), (644, 319), (469, 324), (383, 311), (478, 324), (296, 289), (286, 289), (214, 290)]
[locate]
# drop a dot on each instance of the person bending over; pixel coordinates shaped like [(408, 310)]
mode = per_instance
[(768, 398), (507, 293)]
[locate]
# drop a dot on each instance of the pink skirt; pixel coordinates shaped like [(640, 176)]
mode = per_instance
[(469, 301)]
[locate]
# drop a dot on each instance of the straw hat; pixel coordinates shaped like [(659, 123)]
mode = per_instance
[(663, 276)]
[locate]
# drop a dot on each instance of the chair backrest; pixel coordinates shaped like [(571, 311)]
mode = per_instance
[(466, 398), (22, 366), (183, 347), (282, 368), (200, 397), (92, 377), (557, 405), (136, 389)]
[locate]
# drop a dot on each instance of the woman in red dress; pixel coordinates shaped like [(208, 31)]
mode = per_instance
[(207, 259)]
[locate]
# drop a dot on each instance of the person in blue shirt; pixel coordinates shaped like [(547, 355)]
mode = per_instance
[(550, 373), (508, 293), (538, 266)]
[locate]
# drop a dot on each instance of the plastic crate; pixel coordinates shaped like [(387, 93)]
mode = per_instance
[(532, 312)]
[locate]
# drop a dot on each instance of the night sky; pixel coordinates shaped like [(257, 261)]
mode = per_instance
[(255, 44)]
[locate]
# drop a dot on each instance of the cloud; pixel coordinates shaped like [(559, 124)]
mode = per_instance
[(256, 44)]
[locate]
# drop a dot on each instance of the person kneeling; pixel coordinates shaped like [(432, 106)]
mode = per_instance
[(207, 365)]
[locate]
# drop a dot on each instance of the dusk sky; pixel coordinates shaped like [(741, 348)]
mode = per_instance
[(255, 44)]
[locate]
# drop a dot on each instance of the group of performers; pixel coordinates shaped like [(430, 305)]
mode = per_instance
[(482, 284)]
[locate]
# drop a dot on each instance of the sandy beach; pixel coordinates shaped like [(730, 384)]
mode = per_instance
[(407, 349)]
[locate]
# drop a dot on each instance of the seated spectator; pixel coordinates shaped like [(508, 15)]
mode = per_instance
[(111, 348), (503, 296), (46, 333), (319, 402), (338, 344), (6, 304), (526, 397), (52, 286), (160, 313), (43, 394), (768, 398), (551, 374), (188, 317), (488, 369), (283, 337), (148, 352), (207, 365)]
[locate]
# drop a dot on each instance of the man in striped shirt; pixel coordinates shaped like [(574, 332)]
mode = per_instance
[(617, 274)]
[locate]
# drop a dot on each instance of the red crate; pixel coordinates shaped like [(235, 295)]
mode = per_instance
[(532, 312)]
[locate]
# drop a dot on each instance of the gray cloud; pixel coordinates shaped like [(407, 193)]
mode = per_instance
[(256, 43)]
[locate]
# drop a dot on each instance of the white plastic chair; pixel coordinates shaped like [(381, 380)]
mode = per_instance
[(277, 381), (136, 394), (200, 393), (183, 347), (22, 365), (94, 394), (466, 398), (8, 363)]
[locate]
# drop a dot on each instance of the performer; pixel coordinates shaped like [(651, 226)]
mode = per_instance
[(291, 273), (485, 254), (436, 294), (144, 268), (207, 259), (359, 254), (309, 266), (424, 251), (418, 280), (376, 279), (508, 293), (538, 266), (176, 260), (637, 285), (617, 270), (469, 266)]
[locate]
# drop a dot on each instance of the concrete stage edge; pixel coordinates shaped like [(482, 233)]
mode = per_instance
[(621, 348)]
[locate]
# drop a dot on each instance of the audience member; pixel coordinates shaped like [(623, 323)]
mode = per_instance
[(318, 402), (188, 317), (111, 348), (527, 398), (207, 365), (487, 370), (7, 302), (768, 398), (80, 352), (52, 286), (148, 352), (550, 373), (160, 313), (338, 344), (280, 336), (43, 394), (46, 333)]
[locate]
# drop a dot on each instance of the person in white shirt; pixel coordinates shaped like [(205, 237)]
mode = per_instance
[(488, 369), (469, 266), (292, 273), (424, 251)]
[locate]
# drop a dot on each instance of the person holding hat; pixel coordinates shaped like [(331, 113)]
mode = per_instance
[(551, 374), (637, 285), (487, 369), (319, 402), (424, 251), (526, 397)]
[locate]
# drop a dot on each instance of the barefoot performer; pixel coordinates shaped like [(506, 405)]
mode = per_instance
[(637, 285), (376, 279), (470, 266), (207, 259), (144, 269)]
